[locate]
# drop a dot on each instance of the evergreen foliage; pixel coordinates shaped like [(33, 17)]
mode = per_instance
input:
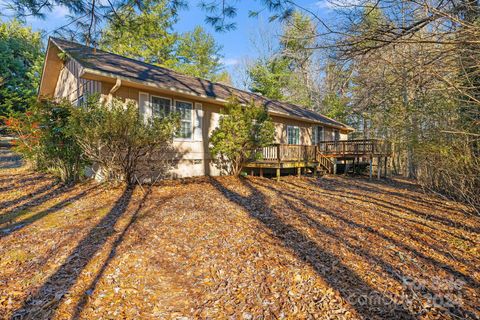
[(242, 130), (21, 61), (45, 139), (287, 74), (148, 35)]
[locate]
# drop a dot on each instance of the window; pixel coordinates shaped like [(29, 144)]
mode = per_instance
[(185, 111), (337, 135), (293, 135), (161, 107), (317, 135)]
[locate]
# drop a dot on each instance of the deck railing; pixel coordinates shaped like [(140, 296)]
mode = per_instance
[(287, 152), (309, 153), (355, 147)]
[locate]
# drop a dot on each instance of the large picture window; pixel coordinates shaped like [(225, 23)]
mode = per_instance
[(293, 135), (185, 111), (161, 107)]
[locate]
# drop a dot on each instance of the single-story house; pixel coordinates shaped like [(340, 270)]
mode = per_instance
[(72, 71)]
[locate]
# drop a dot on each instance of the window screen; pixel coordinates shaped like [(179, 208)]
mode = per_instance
[(161, 107), (317, 135), (184, 109), (293, 135)]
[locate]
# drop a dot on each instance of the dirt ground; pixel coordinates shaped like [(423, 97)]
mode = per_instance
[(331, 248)]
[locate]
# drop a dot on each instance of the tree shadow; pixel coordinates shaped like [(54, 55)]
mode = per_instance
[(9, 159), (375, 187), (349, 285), (14, 175), (385, 207), (113, 251), (22, 183), (449, 269), (5, 231), (395, 206), (396, 273), (33, 196), (48, 298)]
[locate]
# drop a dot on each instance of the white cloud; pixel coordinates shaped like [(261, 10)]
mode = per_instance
[(229, 61), (60, 11), (324, 4)]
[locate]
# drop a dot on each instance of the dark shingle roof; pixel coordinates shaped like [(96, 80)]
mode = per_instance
[(117, 65)]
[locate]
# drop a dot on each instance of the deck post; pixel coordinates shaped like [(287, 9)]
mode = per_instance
[(299, 172), (347, 166), (252, 173), (278, 174), (371, 167), (386, 167), (261, 172), (379, 167), (315, 171)]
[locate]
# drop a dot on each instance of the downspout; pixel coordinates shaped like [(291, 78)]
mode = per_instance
[(114, 89)]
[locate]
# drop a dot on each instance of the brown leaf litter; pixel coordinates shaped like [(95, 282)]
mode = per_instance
[(303, 248)]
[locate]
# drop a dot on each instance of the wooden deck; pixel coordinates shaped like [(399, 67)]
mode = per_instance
[(318, 157), (355, 148)]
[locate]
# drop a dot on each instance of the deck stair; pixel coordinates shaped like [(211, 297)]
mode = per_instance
[(321, 157)]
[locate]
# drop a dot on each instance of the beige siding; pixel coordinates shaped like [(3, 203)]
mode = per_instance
[(281, 125), (67, 84), (70, 86), (193, 157)]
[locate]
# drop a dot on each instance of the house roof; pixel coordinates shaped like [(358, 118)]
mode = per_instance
[(120, 66)]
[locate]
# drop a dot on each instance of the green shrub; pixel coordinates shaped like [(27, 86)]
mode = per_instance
[(44, 139), (241, 132), (119, 141)]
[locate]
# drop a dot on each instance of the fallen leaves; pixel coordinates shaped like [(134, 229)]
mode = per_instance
[(330, 248)]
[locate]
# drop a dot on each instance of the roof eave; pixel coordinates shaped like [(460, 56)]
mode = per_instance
[(88, 73)]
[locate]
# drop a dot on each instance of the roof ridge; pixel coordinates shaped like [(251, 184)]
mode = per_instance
[(231, 90), (136, 60)]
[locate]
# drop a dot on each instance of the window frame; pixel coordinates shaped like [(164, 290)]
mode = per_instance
[(173, 108), (336, 135), (288, 134), (191, 119), (315, 137), (161, 97)]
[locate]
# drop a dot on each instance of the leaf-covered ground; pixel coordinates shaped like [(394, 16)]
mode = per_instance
[(333, 247)]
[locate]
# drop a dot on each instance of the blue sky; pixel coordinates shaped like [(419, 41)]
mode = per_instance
[(236, 44)]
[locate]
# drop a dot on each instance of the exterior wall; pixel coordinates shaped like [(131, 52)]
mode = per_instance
[(306, 131), (70, 86), (192, 157), (281, 125), (195, 159)]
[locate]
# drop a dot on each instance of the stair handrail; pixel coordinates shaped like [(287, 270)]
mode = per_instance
[(325, 162)]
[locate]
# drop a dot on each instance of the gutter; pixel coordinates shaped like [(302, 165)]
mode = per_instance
[(119, 80)]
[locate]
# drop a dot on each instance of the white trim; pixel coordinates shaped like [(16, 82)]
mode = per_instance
[(294, 127), (144, 110), (191, 119), (198, 122), (161, 97)]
